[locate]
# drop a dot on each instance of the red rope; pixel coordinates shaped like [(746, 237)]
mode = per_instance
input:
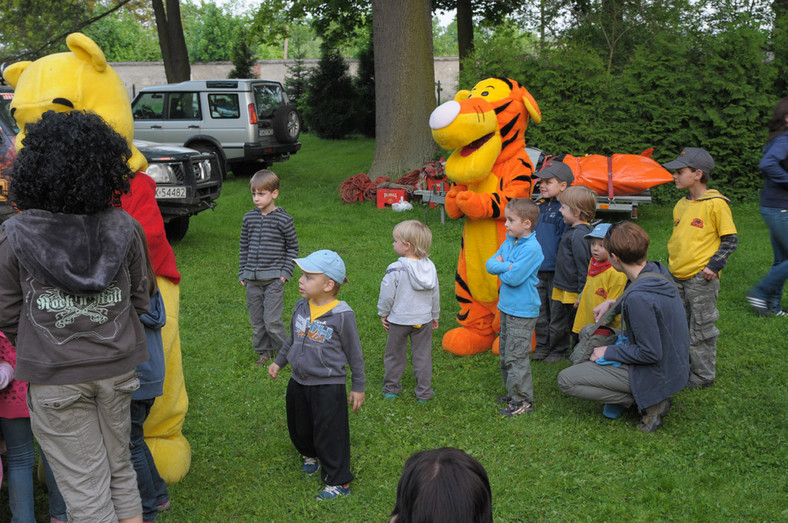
[(354, 188), (372, 190)]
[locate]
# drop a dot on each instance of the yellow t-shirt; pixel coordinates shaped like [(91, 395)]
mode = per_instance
[(697, 228), (315, 311), (607, 285), (564, 296)]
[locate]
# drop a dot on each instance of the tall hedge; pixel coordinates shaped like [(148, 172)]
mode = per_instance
[(675, 90)]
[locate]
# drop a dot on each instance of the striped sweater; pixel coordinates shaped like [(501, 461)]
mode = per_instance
[(269, 245)]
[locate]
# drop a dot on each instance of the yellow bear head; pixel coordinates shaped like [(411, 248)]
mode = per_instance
[(484, 126), (78, 80)]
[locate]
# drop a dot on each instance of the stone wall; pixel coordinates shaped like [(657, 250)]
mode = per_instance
[(136, 75)]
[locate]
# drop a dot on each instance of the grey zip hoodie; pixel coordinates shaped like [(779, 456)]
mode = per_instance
[(71, 291), (409, 292)]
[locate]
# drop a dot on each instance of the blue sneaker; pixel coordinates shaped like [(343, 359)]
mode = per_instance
[(390, 396), (333, 491), (310, 465), (613, 410)]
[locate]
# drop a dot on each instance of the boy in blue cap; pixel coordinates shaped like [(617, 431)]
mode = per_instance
[(603, 282), (323, 342)]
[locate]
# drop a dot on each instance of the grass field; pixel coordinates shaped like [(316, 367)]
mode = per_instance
[(721, 455)]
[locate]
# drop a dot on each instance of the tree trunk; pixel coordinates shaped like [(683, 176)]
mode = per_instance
[(464, 29), (404, 85), (171, 40)]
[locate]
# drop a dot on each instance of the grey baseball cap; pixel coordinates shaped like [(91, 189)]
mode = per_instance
[(693, 157), (556, 169)]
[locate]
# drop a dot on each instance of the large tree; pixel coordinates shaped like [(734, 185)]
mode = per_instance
[(171, 40), (404, 85)]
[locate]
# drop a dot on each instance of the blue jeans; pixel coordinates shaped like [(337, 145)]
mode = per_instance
[(20, 460), (57, 505), (153, 489), (770, 288)]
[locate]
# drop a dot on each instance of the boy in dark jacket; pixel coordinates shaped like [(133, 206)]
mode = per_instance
[(652, 362), (554, 177), (323, 341)]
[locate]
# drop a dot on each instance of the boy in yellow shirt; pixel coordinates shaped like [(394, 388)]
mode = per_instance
[(603, 282), (703, 238)]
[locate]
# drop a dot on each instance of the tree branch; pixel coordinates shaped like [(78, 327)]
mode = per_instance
[(59, 38)]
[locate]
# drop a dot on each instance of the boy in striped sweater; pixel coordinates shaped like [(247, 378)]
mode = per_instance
[(269, 245)]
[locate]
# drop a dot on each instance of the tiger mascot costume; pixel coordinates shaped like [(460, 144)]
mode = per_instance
[(489, 166)]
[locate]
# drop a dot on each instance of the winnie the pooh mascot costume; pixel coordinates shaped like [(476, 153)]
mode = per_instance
[(83, 80), (489, 166)]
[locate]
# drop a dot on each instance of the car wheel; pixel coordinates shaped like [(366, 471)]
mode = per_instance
[(216, 164), (176, 228), (287, 124)]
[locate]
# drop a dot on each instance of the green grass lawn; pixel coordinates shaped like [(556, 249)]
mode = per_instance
[(721, 455)]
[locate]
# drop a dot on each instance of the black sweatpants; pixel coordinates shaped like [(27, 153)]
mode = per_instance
[(317, 419)]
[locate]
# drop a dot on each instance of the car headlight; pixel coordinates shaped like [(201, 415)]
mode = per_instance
[(203, 171), (161, 173)]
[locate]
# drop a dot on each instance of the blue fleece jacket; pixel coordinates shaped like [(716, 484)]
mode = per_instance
[(519, 275), (773, 166), (549, 230), (657, 349)]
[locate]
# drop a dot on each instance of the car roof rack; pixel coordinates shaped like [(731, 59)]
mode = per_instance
[(221, 84)]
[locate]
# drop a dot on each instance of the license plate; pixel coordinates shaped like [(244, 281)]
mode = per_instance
[(265, 132), (170, 192)]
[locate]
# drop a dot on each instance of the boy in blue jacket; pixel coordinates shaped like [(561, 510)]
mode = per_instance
[(323, 341), (516, 263)]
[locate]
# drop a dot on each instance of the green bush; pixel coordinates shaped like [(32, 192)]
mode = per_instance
[(329, 98)]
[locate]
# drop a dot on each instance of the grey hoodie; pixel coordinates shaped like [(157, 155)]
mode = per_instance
[(71, 289), (409, 292)]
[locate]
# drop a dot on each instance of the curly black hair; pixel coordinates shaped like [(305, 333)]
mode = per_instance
[(72, 163)]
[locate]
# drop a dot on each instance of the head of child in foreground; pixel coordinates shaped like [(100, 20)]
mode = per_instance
[(522, 214), (554, 177), (692, 166), (265, 189), (412, 239), (627, 242), (443, 485), (578, 204), (323, 274), (597, 238), (72, 163)]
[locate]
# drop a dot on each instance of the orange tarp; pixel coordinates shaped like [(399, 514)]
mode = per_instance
[(617, 175)]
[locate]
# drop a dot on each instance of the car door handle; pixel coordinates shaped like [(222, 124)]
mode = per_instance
[(194, 127), (155, 126)]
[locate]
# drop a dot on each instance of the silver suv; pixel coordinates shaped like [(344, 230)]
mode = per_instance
[(248, 124)]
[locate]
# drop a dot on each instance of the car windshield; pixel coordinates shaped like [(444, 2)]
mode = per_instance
[(5, 112)]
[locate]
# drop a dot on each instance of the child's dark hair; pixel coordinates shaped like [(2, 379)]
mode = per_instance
[(777, 124), (628, 241), (264, 180), (443, 485), (71, 163), (580, 198), (525, 209)]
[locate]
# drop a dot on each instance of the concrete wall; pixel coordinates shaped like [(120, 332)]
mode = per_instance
[(136, 75)]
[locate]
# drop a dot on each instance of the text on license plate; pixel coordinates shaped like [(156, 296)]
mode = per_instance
[(170, 192), (265, 132)]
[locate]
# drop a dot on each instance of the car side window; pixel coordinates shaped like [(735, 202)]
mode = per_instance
[(149, 106), (224, 105), (184, 106)]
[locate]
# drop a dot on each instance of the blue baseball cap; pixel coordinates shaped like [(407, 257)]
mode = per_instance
[(599, 231), (324, 262)]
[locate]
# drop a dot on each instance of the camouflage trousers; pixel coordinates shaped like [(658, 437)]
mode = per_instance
[(700, 302)]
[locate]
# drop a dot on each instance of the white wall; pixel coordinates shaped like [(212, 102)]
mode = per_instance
[(136, 75)]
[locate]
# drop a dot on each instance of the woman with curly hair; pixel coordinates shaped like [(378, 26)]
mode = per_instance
[(73, 282)]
